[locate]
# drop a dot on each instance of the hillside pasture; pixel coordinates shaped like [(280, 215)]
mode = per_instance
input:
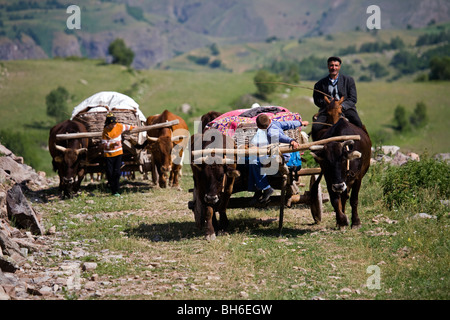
[(25, 84)]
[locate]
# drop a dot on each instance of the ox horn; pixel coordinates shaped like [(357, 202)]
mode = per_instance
[(81, 150), (354, 155), (228, 161), (316, 147), (60, 148), (178, 138), (347, 143), (211, 160), (153, 139)]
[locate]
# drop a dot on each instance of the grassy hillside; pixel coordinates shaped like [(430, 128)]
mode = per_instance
[(25, 84), (160, 30), (255, 55)]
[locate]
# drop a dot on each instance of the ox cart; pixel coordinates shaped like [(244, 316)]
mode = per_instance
[(92, 113), (285, 180)]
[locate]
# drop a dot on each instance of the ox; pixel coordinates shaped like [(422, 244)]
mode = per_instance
[(207, 118), (343, 164), (167, 148), (213, 182), (67, 155)]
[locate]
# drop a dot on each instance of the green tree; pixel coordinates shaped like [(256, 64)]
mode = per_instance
[(440, 68), (216, 63), (121, 53), (263, 83), (396, 43), (407, 62), (214, 49), (56, 102), (313, 68), (378, 70), (419, 118), (401, 120)]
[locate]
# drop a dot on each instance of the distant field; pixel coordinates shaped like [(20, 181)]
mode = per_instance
[(25, 84)]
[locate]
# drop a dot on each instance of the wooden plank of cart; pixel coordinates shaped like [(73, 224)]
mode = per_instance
[(288, 182)]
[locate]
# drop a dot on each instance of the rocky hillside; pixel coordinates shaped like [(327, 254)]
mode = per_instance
[(160, 30)]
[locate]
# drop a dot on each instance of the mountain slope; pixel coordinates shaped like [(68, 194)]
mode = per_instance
[(159, 30)]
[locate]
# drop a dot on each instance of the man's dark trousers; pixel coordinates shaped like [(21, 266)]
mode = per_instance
[(113, 165)]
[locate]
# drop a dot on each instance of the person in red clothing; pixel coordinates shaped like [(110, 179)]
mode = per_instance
[(112, 150)]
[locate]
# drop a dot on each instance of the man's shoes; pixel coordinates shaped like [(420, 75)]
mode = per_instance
[(255, 200), (258, 194), (266, 194)]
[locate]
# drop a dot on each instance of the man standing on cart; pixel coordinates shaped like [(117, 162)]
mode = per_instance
[(112, 150)]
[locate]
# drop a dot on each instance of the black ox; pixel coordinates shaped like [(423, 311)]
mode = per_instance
[(67, 155), (343, 164)]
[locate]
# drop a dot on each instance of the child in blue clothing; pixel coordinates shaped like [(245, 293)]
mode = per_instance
[(268, 132)]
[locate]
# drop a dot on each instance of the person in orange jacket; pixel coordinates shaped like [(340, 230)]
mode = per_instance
[(112, 150)]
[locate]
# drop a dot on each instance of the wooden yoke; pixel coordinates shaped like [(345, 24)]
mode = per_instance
[(66, 136), (266, 150)]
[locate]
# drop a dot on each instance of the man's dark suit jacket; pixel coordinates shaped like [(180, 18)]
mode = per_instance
[(346, 88)]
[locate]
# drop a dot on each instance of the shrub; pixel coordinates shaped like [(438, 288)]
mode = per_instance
[(262, 81), (407, 184), (56, 102), (401, 119), (419, 118), (378, 70), (203, 61), (313, 68), (288, 70), (217, 63), (214, 49), (407, 62), (440, 69), (120, 53)]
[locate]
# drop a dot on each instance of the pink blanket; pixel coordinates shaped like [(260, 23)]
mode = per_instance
[(229, 122)]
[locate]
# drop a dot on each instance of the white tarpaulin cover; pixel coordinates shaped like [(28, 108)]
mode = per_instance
[(108, 101)]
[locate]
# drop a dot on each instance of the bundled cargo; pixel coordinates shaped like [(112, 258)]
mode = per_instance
[(92, 114)]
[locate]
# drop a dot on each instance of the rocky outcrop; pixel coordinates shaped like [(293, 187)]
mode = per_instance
[(20, 211), (392, 155), (65, 45), (20, 224), (25, 48)]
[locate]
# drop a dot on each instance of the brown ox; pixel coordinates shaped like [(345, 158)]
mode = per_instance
[(207, 118), (167, 148), (213, 182), (343, 164), (67, 155)]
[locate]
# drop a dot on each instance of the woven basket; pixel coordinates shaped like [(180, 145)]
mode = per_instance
[(95, 121), (246, 131)]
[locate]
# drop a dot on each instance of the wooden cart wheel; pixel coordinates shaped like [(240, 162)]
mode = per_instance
[(316, 199)]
